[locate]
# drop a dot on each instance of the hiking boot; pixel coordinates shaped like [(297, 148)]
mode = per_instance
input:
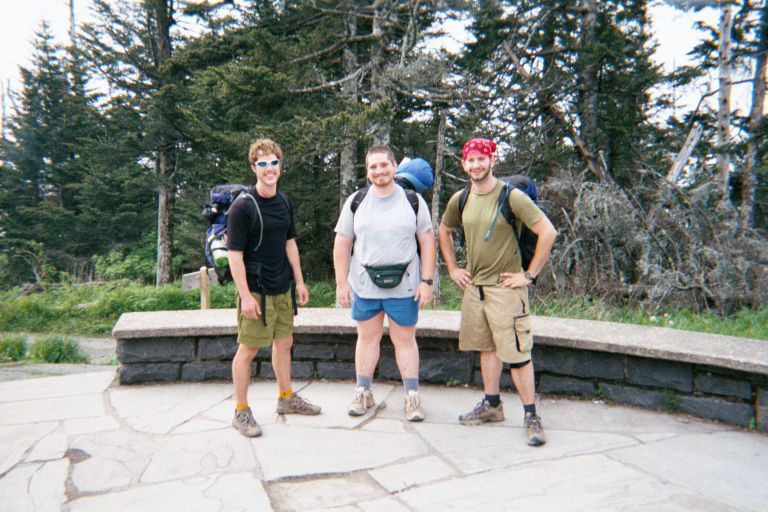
[(534, 431), (245, 423), (296, 405), (481, 413), (362, 402), (413, 410)]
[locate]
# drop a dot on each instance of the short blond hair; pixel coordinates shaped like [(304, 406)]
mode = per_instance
[(261, 147), (380, 150)]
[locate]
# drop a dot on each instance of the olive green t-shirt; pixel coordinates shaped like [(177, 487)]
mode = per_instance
[(486, 259)]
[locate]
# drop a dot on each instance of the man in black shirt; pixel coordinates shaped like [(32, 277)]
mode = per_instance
[(264, 262)]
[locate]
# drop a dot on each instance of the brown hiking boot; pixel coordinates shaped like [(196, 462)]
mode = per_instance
[(296, 405), (362, 402), (534, 431), (413, 410), (481, 413), (245, 423)]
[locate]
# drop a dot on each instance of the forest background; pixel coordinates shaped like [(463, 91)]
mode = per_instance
[(112, 143)]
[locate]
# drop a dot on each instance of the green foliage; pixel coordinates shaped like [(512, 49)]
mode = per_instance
[(138, 265), (13, 348), (57, 349), (672, 401), (321, 295)]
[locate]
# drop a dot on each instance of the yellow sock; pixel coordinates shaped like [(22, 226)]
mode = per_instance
[(286, 394), (240, 407)]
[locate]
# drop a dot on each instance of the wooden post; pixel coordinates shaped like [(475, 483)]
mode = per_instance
[(205, 289)]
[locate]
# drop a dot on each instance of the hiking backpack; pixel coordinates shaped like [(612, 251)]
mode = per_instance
[(526, 239), (222, 198)]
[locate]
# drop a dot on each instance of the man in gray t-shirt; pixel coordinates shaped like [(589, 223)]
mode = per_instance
[(379, 272)]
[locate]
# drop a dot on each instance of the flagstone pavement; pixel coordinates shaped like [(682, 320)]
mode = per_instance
[(81, 443)]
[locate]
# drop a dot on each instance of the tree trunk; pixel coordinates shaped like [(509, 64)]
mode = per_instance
[(436, 189), (724, 98), (756, 118), (349, 90), (381, 127), (72, 24), (588, 76), (165, 163)]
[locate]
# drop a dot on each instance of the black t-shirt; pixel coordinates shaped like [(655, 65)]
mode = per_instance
[(243, 234)]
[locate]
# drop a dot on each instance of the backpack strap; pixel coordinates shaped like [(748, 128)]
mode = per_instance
[(413, 199), (506, 209), (463, 199), (248, 195), (358, 198)]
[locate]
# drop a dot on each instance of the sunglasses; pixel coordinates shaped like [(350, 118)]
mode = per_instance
[(263, 165)]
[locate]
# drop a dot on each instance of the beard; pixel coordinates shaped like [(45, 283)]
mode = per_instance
[(477, 178)]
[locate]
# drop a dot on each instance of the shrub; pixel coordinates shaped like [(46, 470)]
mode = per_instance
[(57, 349), (13, 348)]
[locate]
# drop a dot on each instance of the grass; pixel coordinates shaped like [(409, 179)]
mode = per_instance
[(92, 310), (57, 349), (13, 348)]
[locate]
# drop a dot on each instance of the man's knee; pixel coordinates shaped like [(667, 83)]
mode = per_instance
[(246, 353), (282, 344), (518, 366)]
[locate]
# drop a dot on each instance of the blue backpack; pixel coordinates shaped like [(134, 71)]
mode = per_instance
[(526, 239), (222, 198)]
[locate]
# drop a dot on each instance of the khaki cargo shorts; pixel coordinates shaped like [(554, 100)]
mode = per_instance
[(501, 322), (279, 310)]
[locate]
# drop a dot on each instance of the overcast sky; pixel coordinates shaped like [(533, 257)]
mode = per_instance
[(20, 20)]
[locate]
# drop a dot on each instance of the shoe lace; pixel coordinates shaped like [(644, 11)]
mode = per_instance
[(413, 401), (300, 403), (534, 422), (247, 418)]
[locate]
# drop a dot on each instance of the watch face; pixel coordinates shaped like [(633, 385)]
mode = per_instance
[(428, 281)]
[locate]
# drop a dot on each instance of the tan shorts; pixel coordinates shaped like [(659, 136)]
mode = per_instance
[(254, 333), (501, 323)]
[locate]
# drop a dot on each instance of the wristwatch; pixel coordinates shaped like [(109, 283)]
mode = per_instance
[(528, 276), (428, 281)]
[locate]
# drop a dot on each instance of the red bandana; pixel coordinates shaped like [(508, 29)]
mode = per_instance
[(483, 146)]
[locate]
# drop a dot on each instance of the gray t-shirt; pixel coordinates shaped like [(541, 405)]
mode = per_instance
[(384, 232)]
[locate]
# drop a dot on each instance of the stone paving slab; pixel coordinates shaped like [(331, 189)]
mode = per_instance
[(171, 447), (592, 482)]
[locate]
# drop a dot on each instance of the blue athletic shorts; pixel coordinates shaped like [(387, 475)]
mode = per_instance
[(403, 311)]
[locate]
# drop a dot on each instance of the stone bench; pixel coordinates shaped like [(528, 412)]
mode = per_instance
[(706, 375)]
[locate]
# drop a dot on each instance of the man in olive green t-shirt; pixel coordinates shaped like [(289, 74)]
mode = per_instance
[(495, 312)]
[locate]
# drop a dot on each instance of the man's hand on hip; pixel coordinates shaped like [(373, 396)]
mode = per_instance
[(513, 280), (461, 277)]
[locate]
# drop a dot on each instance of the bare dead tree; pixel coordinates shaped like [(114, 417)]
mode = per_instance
[(724, 97), (756, 120)]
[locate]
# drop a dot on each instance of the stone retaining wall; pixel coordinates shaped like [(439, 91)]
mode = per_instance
[(711, 387)]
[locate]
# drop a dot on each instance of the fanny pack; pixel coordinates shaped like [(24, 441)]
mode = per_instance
[(386, 276)]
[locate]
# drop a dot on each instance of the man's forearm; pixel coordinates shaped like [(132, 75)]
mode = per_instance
[(446, 247), (239, 275), (292, 251), (547, 234), (428, 254), (341, 253)]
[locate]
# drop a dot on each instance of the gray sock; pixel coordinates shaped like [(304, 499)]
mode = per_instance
[(411, 384), (364, 381)]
